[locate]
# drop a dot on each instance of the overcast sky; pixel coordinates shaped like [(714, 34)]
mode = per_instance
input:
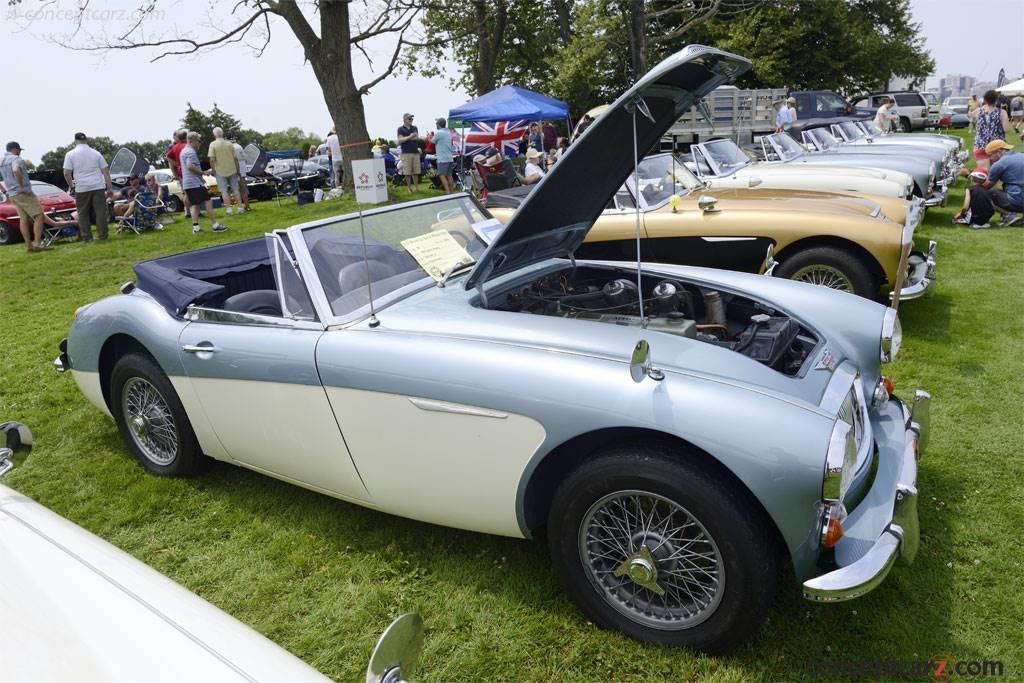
[(52, 92)]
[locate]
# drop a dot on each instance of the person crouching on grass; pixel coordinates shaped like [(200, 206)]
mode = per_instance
[(977, 208), (194, 185)]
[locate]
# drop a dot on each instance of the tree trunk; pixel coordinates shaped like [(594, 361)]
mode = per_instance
[(564, 17), (489, 39), (638, 37), (330, 55)]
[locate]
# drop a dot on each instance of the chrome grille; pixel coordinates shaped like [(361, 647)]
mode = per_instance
[(852, 413)]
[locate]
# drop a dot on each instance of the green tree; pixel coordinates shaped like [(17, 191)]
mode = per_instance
[(493, 41), (851, 46), (55, 158), (291, 138)]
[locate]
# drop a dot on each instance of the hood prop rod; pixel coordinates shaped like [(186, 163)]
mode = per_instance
[(638, 103)]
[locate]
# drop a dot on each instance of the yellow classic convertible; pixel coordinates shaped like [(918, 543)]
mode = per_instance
[(863, 244)]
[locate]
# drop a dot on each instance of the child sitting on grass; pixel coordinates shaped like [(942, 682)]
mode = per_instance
[(977, 208)]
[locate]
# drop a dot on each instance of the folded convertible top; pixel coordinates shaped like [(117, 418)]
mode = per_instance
[(179, 280)]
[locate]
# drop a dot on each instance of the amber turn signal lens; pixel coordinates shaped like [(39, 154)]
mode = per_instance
[(832, 533), (889, 386)]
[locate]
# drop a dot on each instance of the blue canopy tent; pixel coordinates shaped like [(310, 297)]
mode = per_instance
[(510, 103)]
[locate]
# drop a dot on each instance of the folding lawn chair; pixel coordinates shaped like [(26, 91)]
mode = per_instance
[(52, 233), (144, 215)]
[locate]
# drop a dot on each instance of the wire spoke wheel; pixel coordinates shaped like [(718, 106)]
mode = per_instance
[(651, 560), (150, 421), (825, 276)]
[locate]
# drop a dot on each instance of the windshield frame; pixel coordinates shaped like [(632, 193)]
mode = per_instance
[(717, 170), (870, 129), (780, 151), (809, 137), (640, 201), (315, 286)]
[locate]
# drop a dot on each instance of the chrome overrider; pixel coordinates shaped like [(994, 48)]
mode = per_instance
[(920, 267), (900, 539)]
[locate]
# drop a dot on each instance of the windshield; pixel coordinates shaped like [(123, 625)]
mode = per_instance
[(824, 139), (851, 130), (931, 97), (787, 146), (871, 128), (122, 163), (43, 189), (662, 176), (726, 156), (408, 247)]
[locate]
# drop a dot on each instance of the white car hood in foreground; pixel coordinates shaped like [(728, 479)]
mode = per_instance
[(75, 608)]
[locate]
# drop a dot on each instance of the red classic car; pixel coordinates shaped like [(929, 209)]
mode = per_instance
[(55, 201)]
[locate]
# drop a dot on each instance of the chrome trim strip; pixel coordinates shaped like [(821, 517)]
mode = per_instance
[(728, 239), (445, 407), (202, 314), (838, 387)]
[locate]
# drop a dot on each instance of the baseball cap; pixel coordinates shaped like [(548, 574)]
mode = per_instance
[(997, 144), (979, 174), (12, 145), (407, 115), (80, 137)]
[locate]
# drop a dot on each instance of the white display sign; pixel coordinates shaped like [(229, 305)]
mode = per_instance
[(371, 181)]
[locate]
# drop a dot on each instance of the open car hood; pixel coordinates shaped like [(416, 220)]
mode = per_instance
[(556, 217), (127, 163)]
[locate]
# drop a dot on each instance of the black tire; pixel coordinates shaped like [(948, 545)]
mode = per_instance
[(830, 267), (8, 235), (905, 126), (174, 204), (746, 558), (137, 372)]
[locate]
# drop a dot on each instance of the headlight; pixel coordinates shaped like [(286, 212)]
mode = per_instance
[(910, 186), (892, 335)]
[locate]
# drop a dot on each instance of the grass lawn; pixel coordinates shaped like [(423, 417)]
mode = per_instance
[(323, 578)]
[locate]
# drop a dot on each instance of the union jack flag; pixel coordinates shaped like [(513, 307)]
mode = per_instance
[(501, 135)]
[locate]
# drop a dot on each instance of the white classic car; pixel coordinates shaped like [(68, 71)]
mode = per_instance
[(721, 164)]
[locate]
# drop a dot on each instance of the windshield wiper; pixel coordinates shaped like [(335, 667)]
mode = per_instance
[(464, 263)]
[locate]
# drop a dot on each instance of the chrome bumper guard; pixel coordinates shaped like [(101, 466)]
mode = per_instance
[(62, 362), (938, 197), (921, 278), (901, 538)]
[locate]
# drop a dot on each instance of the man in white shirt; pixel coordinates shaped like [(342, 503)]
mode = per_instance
[(334, 149), (243, 173), (532, 173), (882, 117), (87, 174)]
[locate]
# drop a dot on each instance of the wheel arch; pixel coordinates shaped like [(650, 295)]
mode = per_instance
[(562, 460), (865, 256), (114, 348)]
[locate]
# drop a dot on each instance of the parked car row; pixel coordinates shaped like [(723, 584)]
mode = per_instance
[(575, 367)]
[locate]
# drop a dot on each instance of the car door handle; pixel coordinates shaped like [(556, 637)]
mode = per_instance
[(205, 347)]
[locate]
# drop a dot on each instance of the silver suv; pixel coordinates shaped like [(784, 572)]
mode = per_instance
[(911, 108)]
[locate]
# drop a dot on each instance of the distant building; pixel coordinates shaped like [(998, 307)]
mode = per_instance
[(957, 86)]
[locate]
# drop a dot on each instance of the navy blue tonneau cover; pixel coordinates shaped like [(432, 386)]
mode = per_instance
[(177, 281)]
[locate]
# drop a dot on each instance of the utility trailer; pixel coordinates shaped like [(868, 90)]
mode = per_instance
[(727, 112)]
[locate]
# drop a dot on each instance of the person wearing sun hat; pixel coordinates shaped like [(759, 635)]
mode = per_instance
[(532, 172), (14, 175), (977, 208), (1008, 167)]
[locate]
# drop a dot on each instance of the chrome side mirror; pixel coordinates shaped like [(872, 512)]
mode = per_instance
[(769, 261), (708, 204), (640, 363), (17, 438), (397, 650), (754, 182)]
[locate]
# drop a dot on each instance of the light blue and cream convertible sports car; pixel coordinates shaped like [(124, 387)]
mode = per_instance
[(679, 433)]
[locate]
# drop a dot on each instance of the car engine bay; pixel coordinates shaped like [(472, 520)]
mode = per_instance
[(687, 310)]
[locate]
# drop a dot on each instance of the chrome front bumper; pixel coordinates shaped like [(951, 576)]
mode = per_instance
[(921, 276), (894, 495), (938, 197)]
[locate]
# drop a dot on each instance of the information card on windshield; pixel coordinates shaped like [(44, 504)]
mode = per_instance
[(436, 252)]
